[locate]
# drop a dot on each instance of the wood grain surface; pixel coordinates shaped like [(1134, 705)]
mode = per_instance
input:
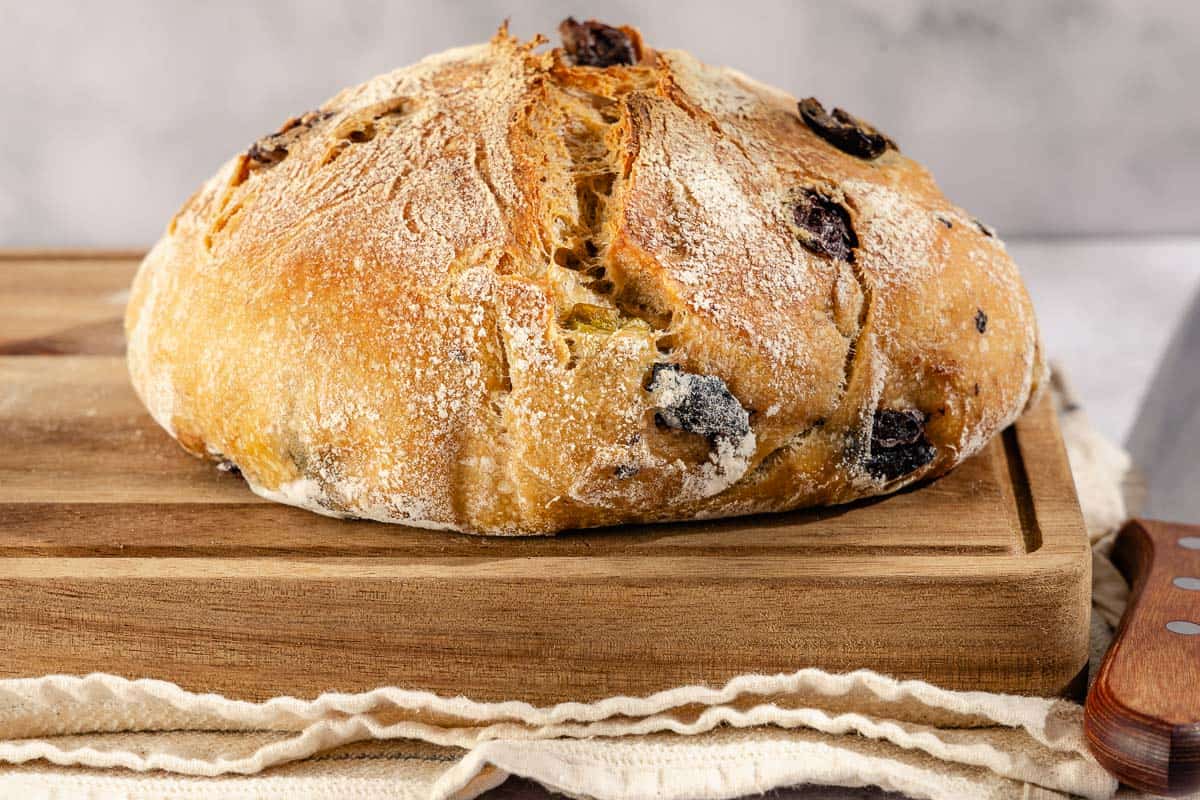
[(120, 553), (1143, 713)]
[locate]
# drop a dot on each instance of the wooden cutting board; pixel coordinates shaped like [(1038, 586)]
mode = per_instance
[(119, 553)]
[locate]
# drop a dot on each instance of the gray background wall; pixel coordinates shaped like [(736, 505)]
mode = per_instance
[(1064, 117)]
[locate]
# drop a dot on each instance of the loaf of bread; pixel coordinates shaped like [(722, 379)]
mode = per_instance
[(514, 290)]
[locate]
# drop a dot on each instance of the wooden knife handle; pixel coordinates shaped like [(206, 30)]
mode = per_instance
[(1143, 713)]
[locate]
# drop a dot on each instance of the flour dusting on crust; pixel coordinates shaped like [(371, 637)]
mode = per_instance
[(506, 292), (308, 494)]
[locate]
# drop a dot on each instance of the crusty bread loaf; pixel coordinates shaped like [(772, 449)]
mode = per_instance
[(512, 292)]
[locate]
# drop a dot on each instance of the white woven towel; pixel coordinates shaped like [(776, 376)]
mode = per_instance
[(103, 736)]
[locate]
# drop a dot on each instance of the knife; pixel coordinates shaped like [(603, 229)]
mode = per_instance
[(1142, 717)]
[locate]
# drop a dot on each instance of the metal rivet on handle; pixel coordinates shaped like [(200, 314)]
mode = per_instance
[(1184, 628), (1190, 542), (1188, 583)]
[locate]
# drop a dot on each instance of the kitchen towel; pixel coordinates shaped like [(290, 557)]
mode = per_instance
[(104, 736)]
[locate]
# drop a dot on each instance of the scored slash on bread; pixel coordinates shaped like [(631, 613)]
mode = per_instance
[(510, 290)]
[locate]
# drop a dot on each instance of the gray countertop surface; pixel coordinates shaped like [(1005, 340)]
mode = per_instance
[(1107, 309)]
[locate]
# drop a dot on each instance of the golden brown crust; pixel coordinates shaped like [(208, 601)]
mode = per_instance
[(440, 299)]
